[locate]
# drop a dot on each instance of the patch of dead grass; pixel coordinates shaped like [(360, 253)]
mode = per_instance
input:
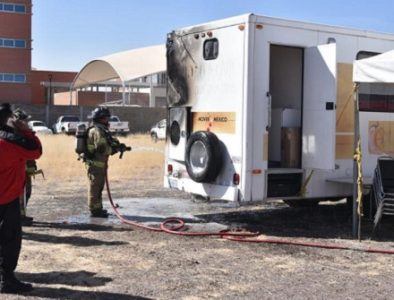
[(59, 160)]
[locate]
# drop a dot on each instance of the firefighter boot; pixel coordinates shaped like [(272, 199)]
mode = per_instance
[(9, 284), (99, 213), (26, 221)]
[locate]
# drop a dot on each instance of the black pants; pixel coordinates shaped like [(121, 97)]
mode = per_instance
[(10, 237)]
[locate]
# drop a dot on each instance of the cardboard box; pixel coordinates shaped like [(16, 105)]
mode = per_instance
[(290, 147)]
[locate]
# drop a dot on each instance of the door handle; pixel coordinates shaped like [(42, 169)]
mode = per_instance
[(330, 106), (269, 108)]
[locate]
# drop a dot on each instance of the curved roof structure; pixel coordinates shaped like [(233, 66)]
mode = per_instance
[(126, 65)]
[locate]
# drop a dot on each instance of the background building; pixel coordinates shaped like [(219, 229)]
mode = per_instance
[(19, 84), (15, 51)]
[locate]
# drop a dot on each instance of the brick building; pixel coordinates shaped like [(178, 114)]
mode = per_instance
[(19, 84), (15, 51), (45, 84)]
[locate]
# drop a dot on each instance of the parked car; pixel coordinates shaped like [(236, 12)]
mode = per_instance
[(158, 131), (39, 127), (117, 126), (67, 124)]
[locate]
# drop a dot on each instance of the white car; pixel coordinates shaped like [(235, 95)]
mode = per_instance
[(158, 131), (39, 127)]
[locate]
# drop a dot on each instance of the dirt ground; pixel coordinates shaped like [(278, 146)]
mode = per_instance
[(68, 256)]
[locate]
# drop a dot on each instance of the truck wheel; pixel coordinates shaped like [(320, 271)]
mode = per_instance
[(203, 156), (154, 137)]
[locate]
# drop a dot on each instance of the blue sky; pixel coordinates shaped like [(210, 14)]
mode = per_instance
[(67, 34)]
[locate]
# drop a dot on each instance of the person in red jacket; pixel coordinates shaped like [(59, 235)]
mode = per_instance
[(17, 145)]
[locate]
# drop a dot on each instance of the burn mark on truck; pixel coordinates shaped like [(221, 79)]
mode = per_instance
[(178, 61)]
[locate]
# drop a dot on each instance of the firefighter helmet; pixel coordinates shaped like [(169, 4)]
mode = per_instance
[(100, 112)]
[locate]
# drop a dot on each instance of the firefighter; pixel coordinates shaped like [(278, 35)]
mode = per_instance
[(100, 145)]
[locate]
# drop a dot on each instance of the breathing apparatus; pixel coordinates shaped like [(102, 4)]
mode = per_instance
[(80, 142)]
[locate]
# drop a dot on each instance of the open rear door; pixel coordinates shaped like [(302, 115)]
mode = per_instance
[(319, 104)]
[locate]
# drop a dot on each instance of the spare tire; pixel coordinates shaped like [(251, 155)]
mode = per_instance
[(203, 156)]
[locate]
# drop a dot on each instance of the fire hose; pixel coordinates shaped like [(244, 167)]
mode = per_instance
[(176, 226)]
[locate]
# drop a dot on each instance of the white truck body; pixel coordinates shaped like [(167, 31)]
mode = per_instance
[(67, 124), (278, 96), (118, 127)]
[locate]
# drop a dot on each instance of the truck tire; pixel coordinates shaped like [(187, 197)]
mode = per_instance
[(203, 156)]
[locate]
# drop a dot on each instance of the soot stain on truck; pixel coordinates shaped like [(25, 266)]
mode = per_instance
[(178, 62)]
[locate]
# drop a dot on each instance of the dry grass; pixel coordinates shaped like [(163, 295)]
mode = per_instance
[(59, 160)]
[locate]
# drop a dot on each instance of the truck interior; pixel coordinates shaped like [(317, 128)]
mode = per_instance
[(284, 176)]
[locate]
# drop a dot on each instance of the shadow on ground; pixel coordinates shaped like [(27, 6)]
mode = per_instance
[(63, 293), (72, 240), (333, 220), (80, 226), (77, 278)]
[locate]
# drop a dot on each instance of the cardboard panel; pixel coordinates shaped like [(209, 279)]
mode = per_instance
[(381, 137)]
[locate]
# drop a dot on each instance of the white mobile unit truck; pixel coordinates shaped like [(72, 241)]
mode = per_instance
[(262, 108)]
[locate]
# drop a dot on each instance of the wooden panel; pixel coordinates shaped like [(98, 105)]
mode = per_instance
[(344, 147), (218, 122), (345, 102)]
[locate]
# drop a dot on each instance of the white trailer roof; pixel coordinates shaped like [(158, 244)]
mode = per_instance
[(379, 68), (126, 65)]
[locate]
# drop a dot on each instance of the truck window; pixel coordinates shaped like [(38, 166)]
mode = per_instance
[(70, 119), (114, 119), (211, 49)]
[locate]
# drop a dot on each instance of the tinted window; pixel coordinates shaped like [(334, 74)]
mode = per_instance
[(365, 54), (20, 44), (1, 6), (114, 119), (20, 8), (1, 77), (20, 78), (1, 42), (8, 7), (8, 43), (211, 49), (8, 77), (38, 124), (70, 119)]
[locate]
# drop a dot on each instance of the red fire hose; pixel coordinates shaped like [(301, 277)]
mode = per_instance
[(176, 226)]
